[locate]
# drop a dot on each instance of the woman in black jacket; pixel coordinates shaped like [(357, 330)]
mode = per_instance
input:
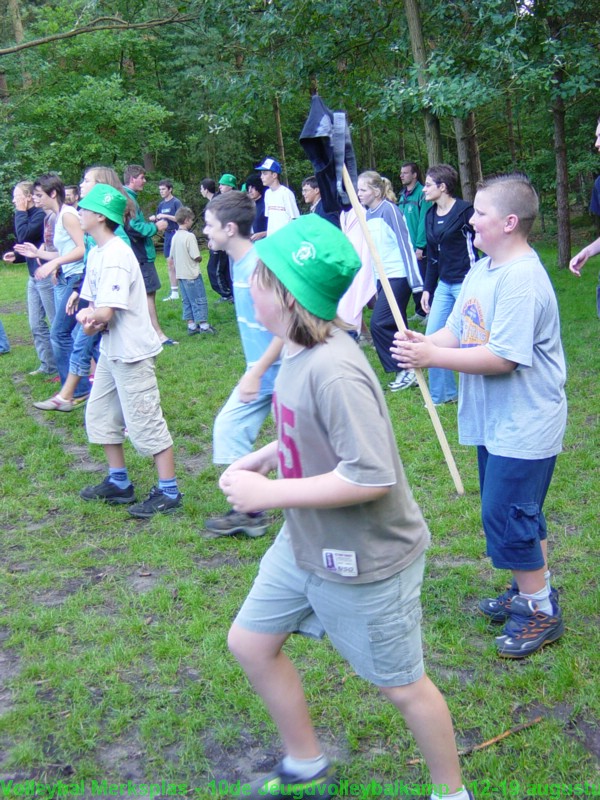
[(450, 255)]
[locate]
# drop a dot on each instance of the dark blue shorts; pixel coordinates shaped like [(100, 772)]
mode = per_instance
[(168, 238), (513, 491)]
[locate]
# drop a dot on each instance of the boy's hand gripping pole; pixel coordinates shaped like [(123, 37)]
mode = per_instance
[(360, 213)]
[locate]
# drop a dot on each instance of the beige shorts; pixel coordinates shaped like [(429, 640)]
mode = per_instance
[(126, 396)]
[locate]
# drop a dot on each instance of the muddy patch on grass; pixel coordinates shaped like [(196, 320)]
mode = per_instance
[(585, 731)]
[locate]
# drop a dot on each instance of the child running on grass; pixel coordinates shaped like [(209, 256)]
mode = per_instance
[(124, 393), (504, 336), (349, 559)]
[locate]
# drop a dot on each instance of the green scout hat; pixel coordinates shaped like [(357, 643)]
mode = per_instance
[(314, 260), (106, 200), (228, 180)]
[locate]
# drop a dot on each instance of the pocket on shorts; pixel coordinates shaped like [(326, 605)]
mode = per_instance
[(522, 525), (395, 641)]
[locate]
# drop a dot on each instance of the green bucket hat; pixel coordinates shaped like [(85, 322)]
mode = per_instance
[(106, 200), (314, 260), (227, 179)]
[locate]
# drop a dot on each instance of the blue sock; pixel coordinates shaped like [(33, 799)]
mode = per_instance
[(169, 487), (119, 476)]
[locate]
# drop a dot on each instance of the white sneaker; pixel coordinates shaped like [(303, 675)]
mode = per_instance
[(404, 380)]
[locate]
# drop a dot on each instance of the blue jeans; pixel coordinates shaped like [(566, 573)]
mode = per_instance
[(40, 305), (84, 349), (442, 383), (193, 298), (4, 343), (237, 427), (61, 332)]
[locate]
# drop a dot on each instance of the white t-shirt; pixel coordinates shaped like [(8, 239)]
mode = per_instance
[(113, 280), (280, 208)]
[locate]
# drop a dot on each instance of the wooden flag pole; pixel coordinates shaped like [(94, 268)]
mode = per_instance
[(360, 214)]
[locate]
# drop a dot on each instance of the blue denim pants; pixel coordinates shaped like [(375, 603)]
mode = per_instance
[(193, 298), (442, 383), (61, 332), (40, 309), (4, 343)]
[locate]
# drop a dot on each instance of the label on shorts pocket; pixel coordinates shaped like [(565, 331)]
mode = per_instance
[(342, 562)]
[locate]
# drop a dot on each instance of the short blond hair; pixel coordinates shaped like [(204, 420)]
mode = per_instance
[(513, 193)]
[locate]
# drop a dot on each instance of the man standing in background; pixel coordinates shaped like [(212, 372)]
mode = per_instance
[(414, 208)]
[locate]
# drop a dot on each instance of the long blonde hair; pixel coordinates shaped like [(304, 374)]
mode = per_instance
[(109, 176), (379, 184)]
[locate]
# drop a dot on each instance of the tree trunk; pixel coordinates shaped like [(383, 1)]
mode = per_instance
[(512, 145), (469, 161), (3, 87), (562, 184), (280, 146), (14, 14), (433, 136)]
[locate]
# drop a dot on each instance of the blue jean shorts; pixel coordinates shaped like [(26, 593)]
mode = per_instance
[(376, 627), (513, 491)]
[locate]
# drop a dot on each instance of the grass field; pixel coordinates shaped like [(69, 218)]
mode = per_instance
[(113, 658)]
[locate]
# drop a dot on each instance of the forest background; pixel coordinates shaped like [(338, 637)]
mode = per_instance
[(203, 87)]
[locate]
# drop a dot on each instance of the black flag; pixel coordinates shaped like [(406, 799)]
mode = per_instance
[(327, 143)]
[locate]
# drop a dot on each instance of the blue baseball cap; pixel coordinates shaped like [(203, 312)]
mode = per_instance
[(271, 165)]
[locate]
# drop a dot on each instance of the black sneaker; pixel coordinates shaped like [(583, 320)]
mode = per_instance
[(109, 492), (325, 784), (497, 609), (157, 502), (528, 629), (236, 522)]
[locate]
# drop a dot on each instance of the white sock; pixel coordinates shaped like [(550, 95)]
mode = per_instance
[(192, 327), (204, 326), (542, 598), (462, 794), (547, 576), (304, 768), (175, 290)]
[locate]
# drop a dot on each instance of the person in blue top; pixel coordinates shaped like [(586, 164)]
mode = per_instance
[(503, 336), (166, 209), (228, 227)]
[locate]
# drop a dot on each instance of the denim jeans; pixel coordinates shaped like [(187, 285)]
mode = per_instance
[(84, 349), (237, 427), (61, 332), (193, 298), (442, 383), (4, 343), (40, 304)]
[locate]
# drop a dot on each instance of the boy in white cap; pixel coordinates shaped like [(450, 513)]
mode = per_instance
[(280, 203), (125, 391), (349, 559)]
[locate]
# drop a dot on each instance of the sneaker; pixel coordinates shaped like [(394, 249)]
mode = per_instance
[(54, 379), (40, 371), (228, 299), (170, 297), (208, 330), (193, 331), (56, 403), (528, 629), (169, 343), (157, 502), (404, 380), (324, 784), (497, 609), (109, 492), (236, 522)]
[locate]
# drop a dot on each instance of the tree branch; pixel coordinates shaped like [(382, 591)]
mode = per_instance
[(99, 24)]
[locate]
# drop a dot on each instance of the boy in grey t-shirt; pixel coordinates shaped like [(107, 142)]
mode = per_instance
[(504, 336), (349, 559)]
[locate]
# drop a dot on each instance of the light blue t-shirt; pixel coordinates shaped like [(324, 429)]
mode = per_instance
[(512, 310), (255, 338)]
